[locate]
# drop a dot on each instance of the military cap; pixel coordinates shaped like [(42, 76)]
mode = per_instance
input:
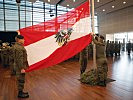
[(102, 37), (19, 37)]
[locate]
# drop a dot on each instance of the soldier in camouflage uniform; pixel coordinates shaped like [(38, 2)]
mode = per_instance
[(90, 50), (119, 50), (107, 48), (21, 63), (0, 53), (90, 77), (11, 52), (116, 48), (0, 49), (4, 55), (102, 67), (132, 46), (83, 59), (128, 46), (112, 46), (97, 76)]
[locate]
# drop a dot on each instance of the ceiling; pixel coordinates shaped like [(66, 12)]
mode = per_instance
[(99, 6), (107, 5)]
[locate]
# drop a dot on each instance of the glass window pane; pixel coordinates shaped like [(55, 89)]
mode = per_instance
[(1, 14), (28, 16), (11, 14), (34, 23), (11, 6), (12, 25), (96, 30), (38, 17), (28, 24), (1, 25), (1, 4), (22, 15), (22, 24)]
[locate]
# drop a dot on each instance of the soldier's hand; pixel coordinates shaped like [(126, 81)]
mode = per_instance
[(22, 71), (92, 33)]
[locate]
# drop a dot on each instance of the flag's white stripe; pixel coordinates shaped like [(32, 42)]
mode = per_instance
[(45, 47)]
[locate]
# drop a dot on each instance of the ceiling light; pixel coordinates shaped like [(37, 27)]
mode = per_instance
[(103, 9), (67, 5), (124, 2), (98, 0), (48, 0), (113, 6), (73, 0), (51, 15), (50, 10)]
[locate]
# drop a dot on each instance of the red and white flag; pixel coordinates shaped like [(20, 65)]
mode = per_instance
[(59, 39)]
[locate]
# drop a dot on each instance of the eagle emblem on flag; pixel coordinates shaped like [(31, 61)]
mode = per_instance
[(63, 36)]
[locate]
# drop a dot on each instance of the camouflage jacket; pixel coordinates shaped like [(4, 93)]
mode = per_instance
[(100, 49), (20, 57)]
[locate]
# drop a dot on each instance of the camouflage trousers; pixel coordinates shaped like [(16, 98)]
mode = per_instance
[(4, 60), (12, 68), (20, 80), (83, 65), (90, 77), (95, 76), (102, 69)]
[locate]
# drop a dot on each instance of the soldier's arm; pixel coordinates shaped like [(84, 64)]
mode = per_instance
[(26, 61), (20, 58), (96, 42)]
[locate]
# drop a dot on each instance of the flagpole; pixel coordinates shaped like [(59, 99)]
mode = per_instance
[(93, 30)]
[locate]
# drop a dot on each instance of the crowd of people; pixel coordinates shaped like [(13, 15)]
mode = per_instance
[(114, 48)]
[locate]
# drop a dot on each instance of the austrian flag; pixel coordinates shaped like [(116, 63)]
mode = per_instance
[(56, 40)]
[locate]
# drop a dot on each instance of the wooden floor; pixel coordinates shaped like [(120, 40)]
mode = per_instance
[(61, 82)]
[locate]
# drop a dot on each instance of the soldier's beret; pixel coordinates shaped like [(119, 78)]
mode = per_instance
[(102, 37), (19, 37)]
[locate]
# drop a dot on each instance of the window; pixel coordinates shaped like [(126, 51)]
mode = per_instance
[(30, 14)]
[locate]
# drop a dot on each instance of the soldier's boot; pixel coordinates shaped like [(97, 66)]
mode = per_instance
[(13, 72), (25, 93), (81, 72), (102, 83), (115, 54), (22, 94)]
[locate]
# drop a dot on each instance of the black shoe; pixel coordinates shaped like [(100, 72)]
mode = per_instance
[(21, 94), (13, 73), (102, 83), (25, 93)]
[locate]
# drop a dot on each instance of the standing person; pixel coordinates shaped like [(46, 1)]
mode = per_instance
[(119, 48), (0, 51), (4, 55), (112, 48), (102, 67), (128, 47), (132, 46), (107, 48), (116, 48), (21, 63), (97, 76), (11, 54), (83, 59)]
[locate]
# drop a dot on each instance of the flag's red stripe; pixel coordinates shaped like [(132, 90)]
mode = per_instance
[(37, 32), (63, 53)]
